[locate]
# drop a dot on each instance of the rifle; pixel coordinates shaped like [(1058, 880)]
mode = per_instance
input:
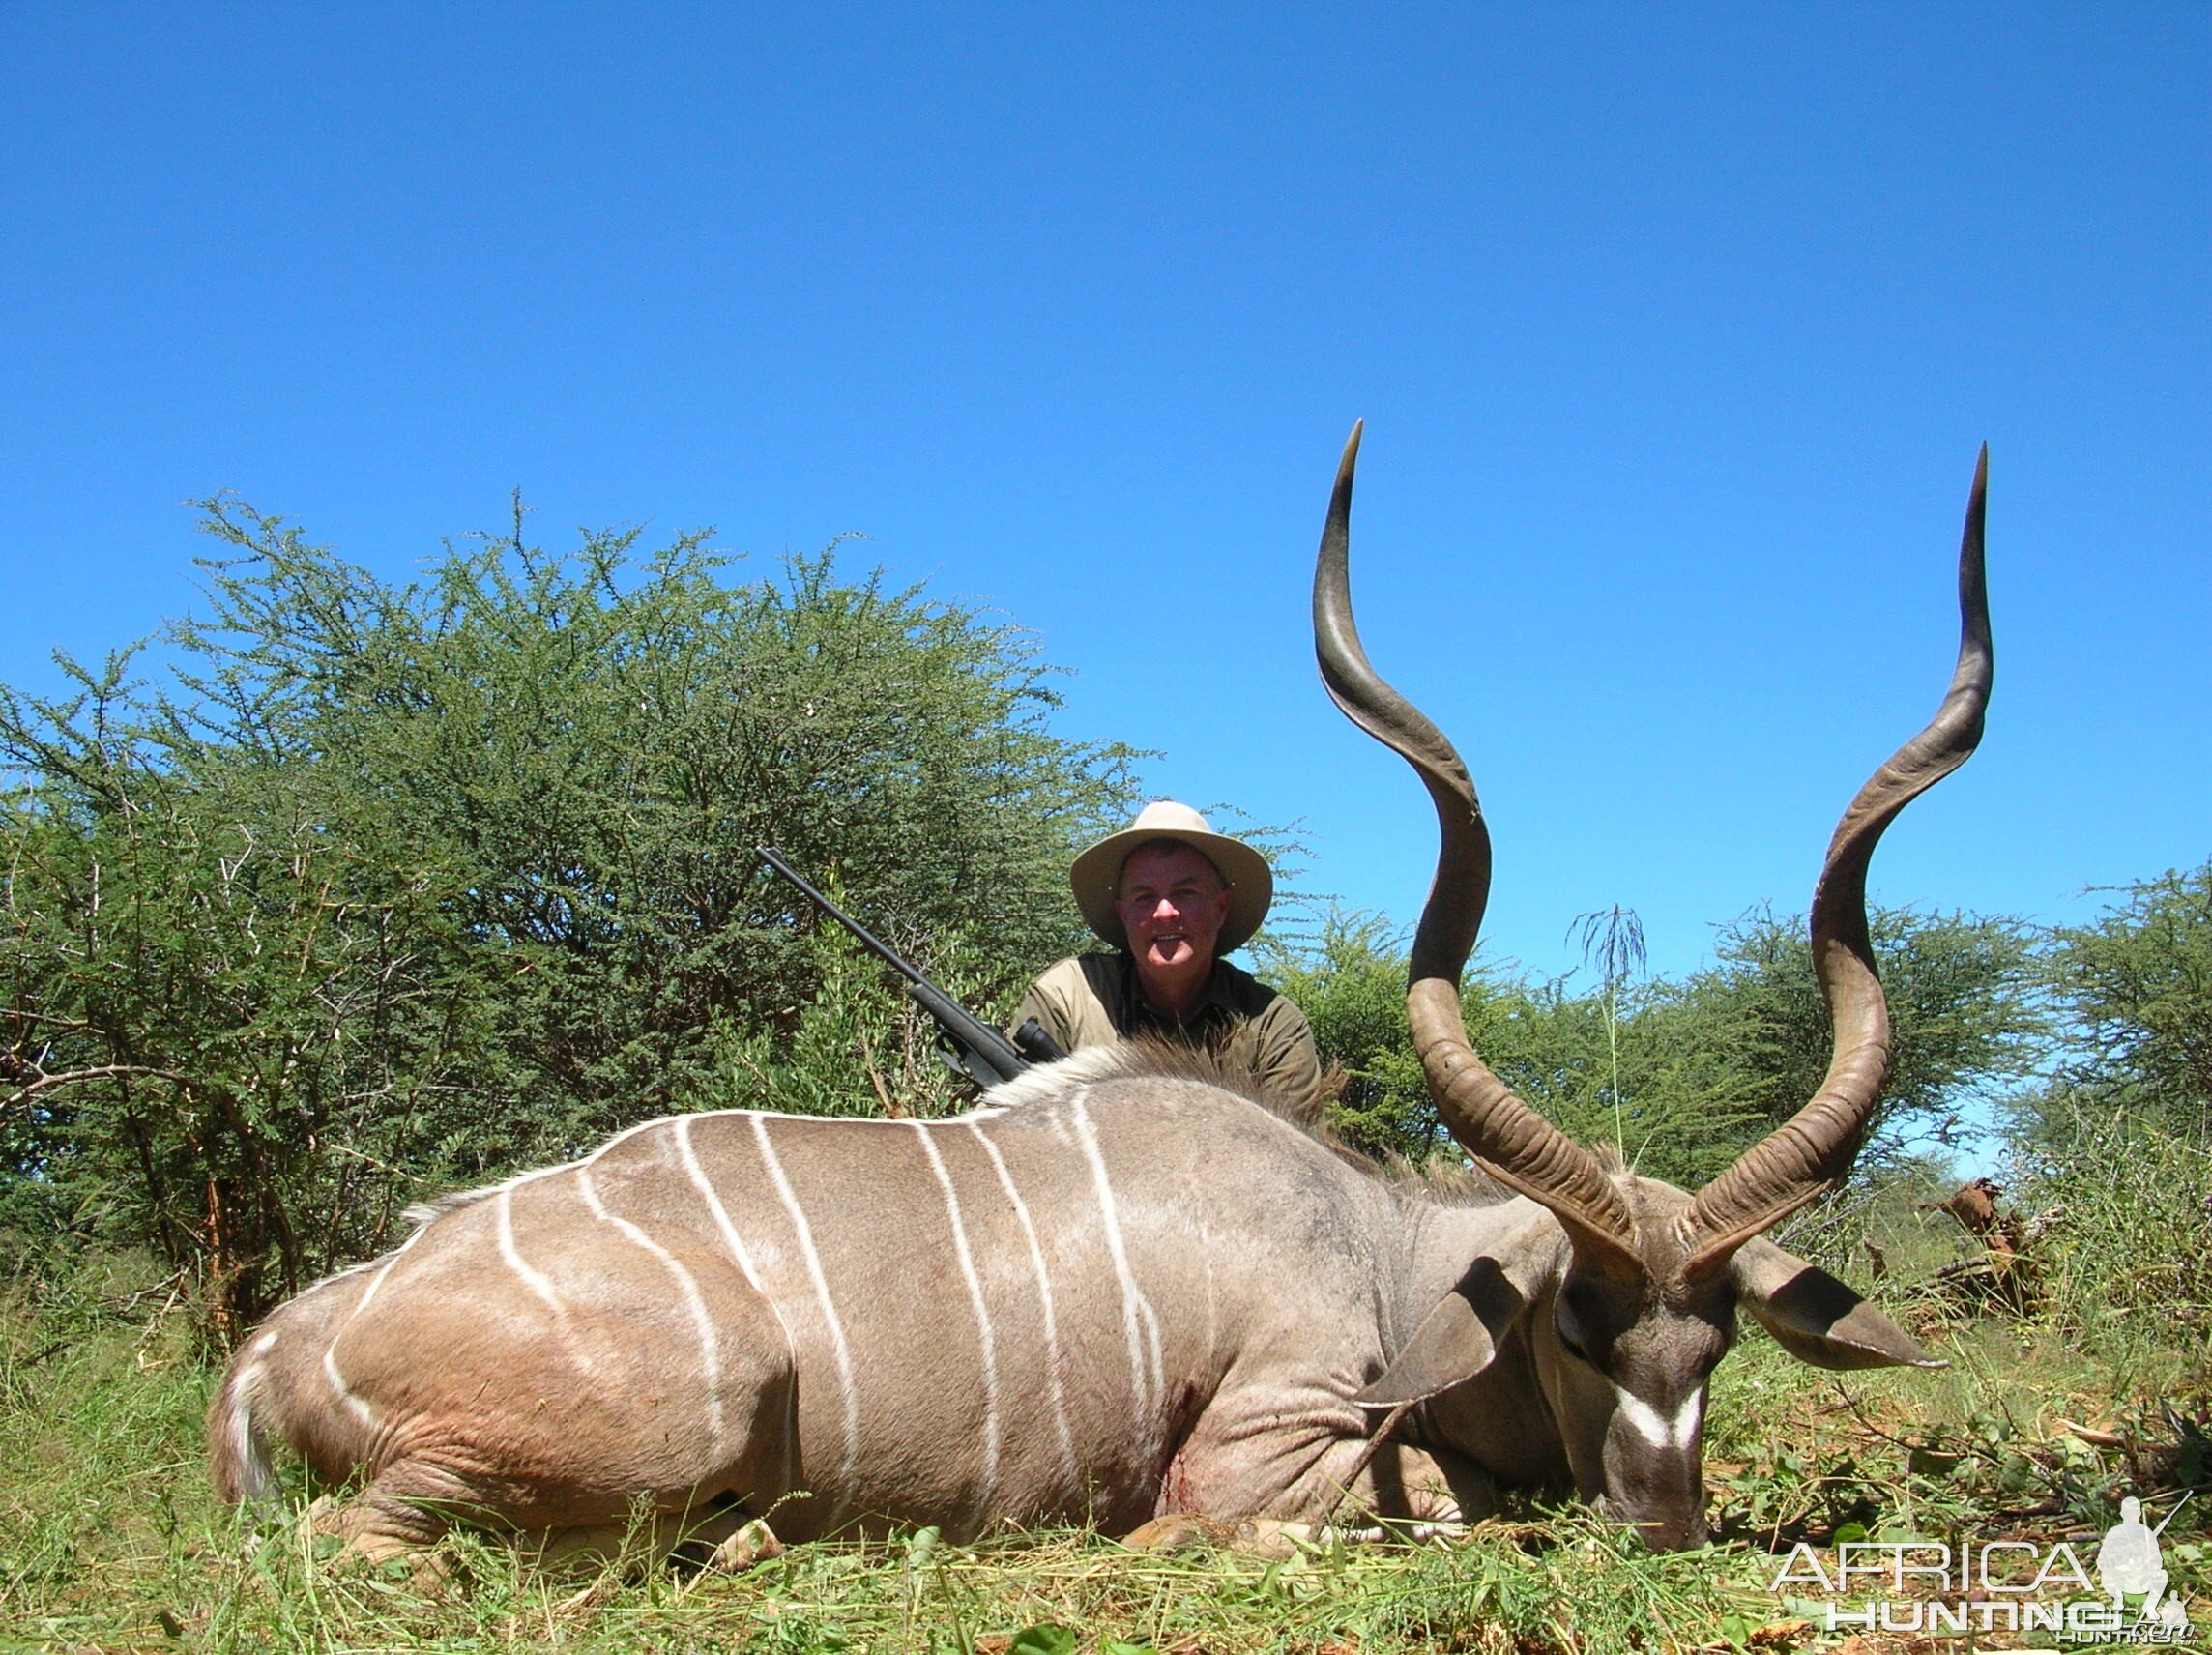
[(973, 1047)]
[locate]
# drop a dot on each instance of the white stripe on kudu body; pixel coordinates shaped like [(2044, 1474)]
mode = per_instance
[(739, 1251), (710, 1348), (689, 1157), (354, 1406), (1056, 1387), (1138, 1322), (842, 1352), (537, 1281), (357, 1405), (369, 1294), (989, 1485)]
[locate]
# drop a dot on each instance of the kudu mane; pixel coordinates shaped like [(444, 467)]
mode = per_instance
[(1447, 1184)]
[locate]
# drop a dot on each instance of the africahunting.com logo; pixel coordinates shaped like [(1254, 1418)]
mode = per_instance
[(2125, 1595)]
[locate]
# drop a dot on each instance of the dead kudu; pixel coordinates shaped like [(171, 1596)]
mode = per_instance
[(1117, 1290)]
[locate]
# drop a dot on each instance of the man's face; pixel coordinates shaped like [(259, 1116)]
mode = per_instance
[(1172, 904)]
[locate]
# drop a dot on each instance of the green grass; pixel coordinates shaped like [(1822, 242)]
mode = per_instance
[(111, 1540)]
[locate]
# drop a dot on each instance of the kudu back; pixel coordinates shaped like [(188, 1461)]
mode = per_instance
[(1122, 1289)]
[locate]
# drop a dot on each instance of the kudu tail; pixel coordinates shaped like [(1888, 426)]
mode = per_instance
[(238, 1446)]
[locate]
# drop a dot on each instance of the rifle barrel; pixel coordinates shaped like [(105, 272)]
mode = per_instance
[(875, 944), (986, 1055)]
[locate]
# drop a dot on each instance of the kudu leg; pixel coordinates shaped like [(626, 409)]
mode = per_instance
[(1217, 1490), (726, 1542), (1410, 1484), (573, 1469), (378, 1529)]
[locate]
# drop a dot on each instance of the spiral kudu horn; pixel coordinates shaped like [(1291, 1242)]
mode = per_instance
[(1815, 1148), (1515, 1143)]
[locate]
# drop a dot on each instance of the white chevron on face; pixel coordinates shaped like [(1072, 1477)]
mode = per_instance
[(1676, 1431)]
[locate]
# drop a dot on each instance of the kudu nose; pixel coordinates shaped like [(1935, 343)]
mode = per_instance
[(1676, 1533), (1668, 1531)]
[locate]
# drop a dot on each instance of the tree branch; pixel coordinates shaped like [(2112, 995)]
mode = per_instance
[(100, 1072)]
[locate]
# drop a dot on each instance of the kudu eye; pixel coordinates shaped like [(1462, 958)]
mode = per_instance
[(1564, 1327)]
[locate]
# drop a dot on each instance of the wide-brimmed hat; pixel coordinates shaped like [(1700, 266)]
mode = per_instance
[(1098, 872)]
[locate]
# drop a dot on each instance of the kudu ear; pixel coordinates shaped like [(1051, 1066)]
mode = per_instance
[(1815, 1317), (1455, 1341)]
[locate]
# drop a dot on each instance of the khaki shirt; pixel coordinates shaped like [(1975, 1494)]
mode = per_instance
[(1095, 1001)]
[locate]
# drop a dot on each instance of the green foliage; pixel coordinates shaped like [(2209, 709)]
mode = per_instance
[(225, 1012), (1555, 1048), (854, 1047), (1690, 1072), (2129, 1201), (1613, 939), (1350, 983), (396, 886), (2137, 985), (2116, 1149), (1744, 1044)]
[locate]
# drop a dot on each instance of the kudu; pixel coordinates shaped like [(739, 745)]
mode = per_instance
[(1119, 1290)]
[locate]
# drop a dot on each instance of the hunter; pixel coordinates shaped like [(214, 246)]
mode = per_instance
[(1172, 896)]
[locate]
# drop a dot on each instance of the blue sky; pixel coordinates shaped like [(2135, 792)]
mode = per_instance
[(1676, 329)]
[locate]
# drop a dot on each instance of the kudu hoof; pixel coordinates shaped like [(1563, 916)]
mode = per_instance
[(1266, 1537), (755, 1543)]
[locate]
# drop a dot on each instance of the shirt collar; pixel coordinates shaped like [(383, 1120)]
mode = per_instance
[(1213, 1005)]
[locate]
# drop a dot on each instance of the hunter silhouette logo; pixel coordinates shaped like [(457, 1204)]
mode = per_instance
[(2129, 1562), (1935, 1586)]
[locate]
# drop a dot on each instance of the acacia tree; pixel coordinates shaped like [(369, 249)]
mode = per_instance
[(1350, 981), (2119, 1145), (394, 885), (2137, 983), (1688, 1072), (1752, 1030), (226, 1019)]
